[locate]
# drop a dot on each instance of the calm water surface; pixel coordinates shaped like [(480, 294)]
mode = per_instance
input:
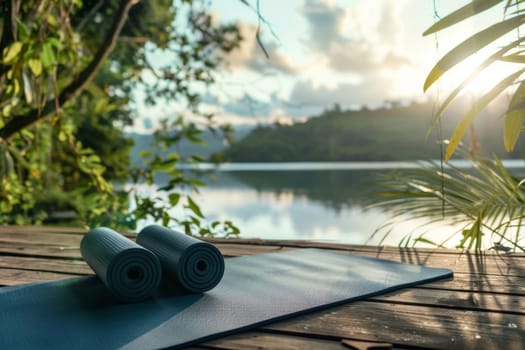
[(311, 201)]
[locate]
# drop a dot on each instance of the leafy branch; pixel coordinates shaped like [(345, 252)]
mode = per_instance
[(19, 122)]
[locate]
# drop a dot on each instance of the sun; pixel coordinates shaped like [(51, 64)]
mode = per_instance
[(483, 81)]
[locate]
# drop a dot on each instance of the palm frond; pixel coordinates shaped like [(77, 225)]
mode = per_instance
[(485, 200)]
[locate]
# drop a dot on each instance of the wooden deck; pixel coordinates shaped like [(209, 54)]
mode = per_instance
[(483, 307)]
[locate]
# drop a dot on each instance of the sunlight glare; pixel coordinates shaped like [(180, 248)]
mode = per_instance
[(482, 83)]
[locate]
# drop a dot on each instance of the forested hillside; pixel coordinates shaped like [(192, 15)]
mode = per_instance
[(394, 133), (211, 144)]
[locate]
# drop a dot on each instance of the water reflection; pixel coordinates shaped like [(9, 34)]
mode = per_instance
[(288, 215), (332, 188), (323, 205)]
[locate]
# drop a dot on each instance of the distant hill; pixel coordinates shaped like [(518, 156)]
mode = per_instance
[(385, 134), (144, 142)]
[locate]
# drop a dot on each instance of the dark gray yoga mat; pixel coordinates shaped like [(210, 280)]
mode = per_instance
[(195, 265), (80, 313), (131, 272)]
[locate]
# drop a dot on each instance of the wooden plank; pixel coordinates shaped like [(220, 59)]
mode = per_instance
[(9, 277), (27, 241), (254, 242), (72, 251), (407, 325), (37, 250), (485, 283), (47, 238), (364, 345), (465, 263), (471, 300), (257, 242), (74, 267), (265, 341), (42, 238), (231, 250), (41, 229), (349, 247)]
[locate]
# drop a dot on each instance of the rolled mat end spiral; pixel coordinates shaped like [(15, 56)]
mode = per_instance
[(196, 265)]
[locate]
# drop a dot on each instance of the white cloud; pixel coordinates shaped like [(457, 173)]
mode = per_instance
[(390, 25), (325, 23), (375, 89), (349, 41), (251, 56)]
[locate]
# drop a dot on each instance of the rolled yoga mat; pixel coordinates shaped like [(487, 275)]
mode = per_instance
[(196, 265), (78, 313), (131, 272)]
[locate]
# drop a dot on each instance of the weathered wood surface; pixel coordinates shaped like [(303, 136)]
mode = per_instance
[(483, 307)]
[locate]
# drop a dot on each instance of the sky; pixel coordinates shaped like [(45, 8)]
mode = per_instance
[(321, 52)]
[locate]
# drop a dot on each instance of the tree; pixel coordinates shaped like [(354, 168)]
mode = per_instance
[(489, 200), (67, 74)]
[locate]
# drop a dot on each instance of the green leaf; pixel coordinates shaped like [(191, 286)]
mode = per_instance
[(165, 165), (14, 88), (95, 90), (514, 118), (11, 52), (6, 112), (62, 137), (52, 20), (514, 58), (101, 106), (145, 154), (55, 42), (231, 229), (470, 46), (195, 182), (194, 138), (469, 10), (475, 233), (481, 103), (48, 56), (194, 208), (23, 31), (35, 66), (5, 207), (165, 219), (425, 240), (174, 198), (196, 158), (195, 221), (173, 156)]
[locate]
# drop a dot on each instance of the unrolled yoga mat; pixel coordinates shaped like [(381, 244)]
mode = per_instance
[(80, 313)]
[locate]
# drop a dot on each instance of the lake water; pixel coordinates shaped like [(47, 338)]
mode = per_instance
[(309, 201)]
